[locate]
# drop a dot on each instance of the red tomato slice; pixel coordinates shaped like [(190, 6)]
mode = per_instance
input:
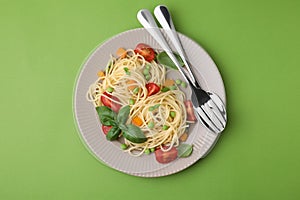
[(146, 51), (166, 157), (152, 88), (190, 111), (105, 129), (109, 103)]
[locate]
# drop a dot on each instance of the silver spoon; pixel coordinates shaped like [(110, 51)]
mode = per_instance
[(210, 110)]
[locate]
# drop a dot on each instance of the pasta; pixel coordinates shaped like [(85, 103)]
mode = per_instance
[(162, 116)]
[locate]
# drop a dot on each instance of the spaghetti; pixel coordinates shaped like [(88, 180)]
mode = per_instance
[(162, 116)]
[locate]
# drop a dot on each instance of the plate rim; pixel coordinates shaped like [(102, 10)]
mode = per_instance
[(155, 173)]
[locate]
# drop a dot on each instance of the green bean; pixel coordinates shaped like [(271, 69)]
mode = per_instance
[(110, 89), (173, 87), (146, 71), (173, 114), (131, 101), (147, 151), (184, 84), (147, 77), (151, 125), (123, 146), (178, 81), (136, 90)]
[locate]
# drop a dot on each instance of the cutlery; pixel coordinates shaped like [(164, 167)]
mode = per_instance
[(209, 108)]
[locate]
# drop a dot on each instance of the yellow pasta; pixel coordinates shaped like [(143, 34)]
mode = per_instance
[(125, 74)]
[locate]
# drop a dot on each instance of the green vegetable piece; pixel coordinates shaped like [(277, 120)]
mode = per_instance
[(106, 115), (127, 70), (110, 89), (123, 114), (151, 125), (178, 81), (146, 71), (148, 67), (123, 146), (172, 114), (165, 127), (131, 102), (164, 59), (152, 149), (107, 121), (184, 84), (184, 150), (148, 77), (134, 134), (165, 89), (173, 87), (136, 90), (152, 108), (113, 133), (147, 151)]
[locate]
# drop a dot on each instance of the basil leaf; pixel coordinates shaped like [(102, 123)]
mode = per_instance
[(113, 133), (106, 116), (123, 115), (123, 127), (107, 121), (164, 59), (134, 134), (104, 111), (184, 150)]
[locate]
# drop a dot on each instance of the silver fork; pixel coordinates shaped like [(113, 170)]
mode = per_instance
[(210, 109)]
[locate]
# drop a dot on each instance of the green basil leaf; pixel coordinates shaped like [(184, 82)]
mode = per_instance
[(123, 115), (113, 133), (134, 134), (106, 116), (184, 150), (104, 111), (164, 59), (107, 121), (123, 127)]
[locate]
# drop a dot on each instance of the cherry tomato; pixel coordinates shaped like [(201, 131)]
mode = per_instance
[(166, 157), (190, 111), (152, 88), (146, 51), (105, 129), (109, 103)]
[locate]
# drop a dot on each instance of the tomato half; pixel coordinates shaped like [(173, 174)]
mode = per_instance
[(105, 129), (152, 88), (166, 157), (146, 51), (190, 111), (109, 103)]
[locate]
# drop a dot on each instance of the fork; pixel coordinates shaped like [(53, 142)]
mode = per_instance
[(210, 109)]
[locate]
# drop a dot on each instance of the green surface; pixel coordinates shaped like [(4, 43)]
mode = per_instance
[(256, 46)]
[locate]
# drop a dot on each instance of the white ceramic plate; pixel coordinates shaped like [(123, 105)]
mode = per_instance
[(110, 152)]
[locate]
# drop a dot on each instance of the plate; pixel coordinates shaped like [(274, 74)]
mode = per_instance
[(110, 153)]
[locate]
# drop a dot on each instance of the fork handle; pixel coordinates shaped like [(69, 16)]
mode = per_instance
[(146, 19), (163, 15)]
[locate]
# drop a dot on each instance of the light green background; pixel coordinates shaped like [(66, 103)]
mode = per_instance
[(256, 45)]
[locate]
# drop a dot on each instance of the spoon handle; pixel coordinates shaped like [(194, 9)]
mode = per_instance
[(146, 19), (163, 15)]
